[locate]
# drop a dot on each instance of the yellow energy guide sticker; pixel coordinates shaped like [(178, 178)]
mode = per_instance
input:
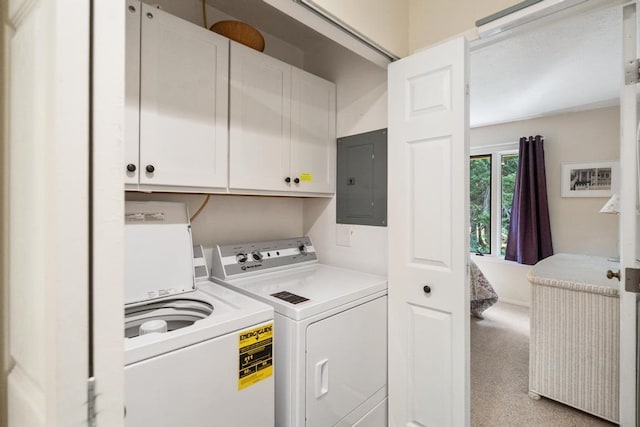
[(306, 177), (255, 354)]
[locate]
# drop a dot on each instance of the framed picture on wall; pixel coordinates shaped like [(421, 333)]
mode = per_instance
[(589, 179)]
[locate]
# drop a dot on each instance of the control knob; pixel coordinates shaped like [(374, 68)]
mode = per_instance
[(257, 256), (241, 257), (302, 249)]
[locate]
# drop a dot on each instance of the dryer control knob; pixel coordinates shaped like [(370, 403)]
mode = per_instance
[(241, 257), (257, 256), (302, 249)]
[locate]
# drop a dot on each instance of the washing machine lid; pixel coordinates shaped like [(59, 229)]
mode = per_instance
[(158, 251)]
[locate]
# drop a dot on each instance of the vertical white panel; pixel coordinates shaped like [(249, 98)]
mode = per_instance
[(428, 238), (183, 102), (48, 212), (108, 207), (260, 114), (430, 162), (629, 224), (313, 132), (132, 92), (430, 373)]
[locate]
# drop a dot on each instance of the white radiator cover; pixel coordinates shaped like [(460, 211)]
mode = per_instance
[(574, 350)]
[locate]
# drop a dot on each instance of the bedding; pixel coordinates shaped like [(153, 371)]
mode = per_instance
[(482, 295)]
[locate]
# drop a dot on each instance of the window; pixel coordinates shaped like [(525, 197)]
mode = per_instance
[(480, 204), (492, 178)]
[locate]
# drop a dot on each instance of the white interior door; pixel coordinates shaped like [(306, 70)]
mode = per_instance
[(48, 212), (629, 226), (428, 239)]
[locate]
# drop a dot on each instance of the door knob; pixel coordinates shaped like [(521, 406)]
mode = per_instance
[(611, 274), (426, 289)]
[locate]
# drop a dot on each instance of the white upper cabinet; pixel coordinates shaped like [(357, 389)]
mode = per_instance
[(282, 126), (259, 126), (313, 132), (132, 93), (183, 96)]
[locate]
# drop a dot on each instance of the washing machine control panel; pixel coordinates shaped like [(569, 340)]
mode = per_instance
[(246, 258)]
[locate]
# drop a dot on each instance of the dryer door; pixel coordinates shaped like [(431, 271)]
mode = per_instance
[(346, 369)]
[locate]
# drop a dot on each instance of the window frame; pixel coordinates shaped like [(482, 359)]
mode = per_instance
[(496, 151)]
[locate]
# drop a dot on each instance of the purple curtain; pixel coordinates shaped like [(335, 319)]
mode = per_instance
[(529, 238)]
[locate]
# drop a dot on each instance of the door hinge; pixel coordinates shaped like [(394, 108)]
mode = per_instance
[(632, 72), (91, 402), (632, 280)]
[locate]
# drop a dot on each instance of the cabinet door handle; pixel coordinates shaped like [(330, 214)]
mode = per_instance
[(297, 180), (149, 15), (287, 180), (131, 167), (150, 168), (426, 289)]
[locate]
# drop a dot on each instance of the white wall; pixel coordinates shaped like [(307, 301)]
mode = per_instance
[(361, 107), (385, 22), (191, 10), (236, 219), (431, 21), (576, 224)]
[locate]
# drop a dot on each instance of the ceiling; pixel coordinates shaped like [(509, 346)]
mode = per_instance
[(568, 64)]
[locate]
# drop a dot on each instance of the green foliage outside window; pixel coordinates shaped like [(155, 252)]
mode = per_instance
[(480, 200), (480, 204), (509, 168)]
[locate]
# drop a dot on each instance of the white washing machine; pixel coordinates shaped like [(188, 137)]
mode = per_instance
[(196, 353), (331, 352)]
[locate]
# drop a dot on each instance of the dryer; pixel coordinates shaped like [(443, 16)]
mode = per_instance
[(196, 353), (331, 351)]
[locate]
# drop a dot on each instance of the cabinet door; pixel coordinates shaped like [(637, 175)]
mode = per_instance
[(183, 103), (260, 105), (132, 92), (313, 133)]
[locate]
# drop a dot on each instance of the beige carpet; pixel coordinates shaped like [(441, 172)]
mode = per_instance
[(499, 375)]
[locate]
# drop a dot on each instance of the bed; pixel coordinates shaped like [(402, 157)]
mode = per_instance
[(574, 346), (482, 294)]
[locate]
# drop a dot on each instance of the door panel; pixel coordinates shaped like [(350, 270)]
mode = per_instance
[(260, 114), (430, 229), (183, 102), (346, 362), (428, 239), (48, 176), (432, 362), (628, 225)]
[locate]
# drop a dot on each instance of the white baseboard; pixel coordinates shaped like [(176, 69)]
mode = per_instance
[(514, 302)]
